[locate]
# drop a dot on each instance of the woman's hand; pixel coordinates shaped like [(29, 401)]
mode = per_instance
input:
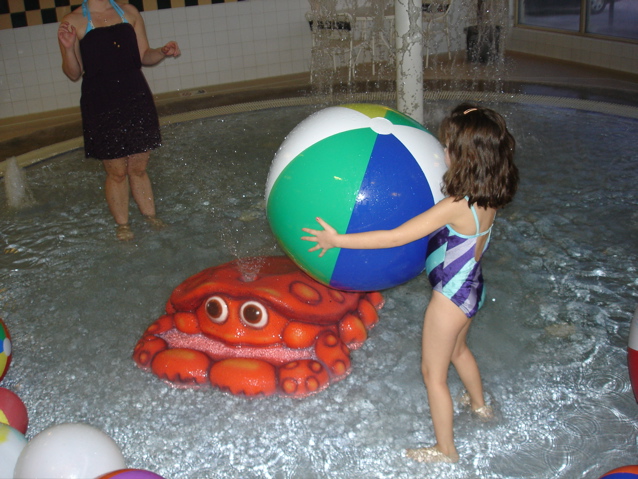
[(325, 238), (171, 49), (67, 35), (70, 50)]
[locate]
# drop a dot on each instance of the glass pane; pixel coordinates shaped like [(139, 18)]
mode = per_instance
[(557, 14), (618, 18)]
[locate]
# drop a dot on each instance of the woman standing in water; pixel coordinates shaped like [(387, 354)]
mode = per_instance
[(105, 43)]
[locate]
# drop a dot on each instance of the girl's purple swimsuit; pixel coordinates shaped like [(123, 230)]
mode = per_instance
[(452, 268)]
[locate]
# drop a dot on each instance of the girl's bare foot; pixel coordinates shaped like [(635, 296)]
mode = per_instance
[(430, 455), (484, 413)]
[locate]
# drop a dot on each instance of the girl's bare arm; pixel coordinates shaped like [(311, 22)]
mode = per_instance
[(444, 212)]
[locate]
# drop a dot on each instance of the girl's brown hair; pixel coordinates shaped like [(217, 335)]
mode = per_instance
[(481, 152)]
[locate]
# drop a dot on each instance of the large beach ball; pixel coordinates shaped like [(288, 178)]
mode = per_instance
[(71, 450), (360, 167), (5, 349), (12, 442)]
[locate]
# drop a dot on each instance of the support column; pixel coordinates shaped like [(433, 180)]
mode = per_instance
[(408, 21)]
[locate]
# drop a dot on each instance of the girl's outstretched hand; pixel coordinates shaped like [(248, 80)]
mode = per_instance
[(325, 238)]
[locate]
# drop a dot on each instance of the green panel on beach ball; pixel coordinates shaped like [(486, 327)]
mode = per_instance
[(318, 175)]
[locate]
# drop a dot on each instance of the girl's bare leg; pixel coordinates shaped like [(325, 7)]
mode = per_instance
[(443, 326), (467, 369)]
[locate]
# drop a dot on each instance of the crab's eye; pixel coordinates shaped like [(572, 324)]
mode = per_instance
[(254, 314), (217, 309)]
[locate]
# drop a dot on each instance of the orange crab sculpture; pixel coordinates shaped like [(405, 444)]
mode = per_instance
[(257, 326)]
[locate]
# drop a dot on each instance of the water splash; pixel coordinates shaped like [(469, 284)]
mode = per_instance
[(17, 191), (250, 268)]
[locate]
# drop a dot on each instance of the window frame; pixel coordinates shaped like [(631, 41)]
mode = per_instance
[(584, 16)]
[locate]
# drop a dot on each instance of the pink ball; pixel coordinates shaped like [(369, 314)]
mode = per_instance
[(5, 349), (130, 474)]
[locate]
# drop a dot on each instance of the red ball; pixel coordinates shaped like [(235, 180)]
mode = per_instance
[(130, 474), (13, 411), (625, 472)]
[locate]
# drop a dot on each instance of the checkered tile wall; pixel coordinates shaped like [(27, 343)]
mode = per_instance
[(26, 13)]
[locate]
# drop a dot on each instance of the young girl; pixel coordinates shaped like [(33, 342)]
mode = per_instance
[(481, 178)]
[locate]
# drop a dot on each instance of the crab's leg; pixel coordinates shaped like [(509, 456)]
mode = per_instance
[(182, 367), (376, 299), (251, 377), (150, 344), (302, 378), (354, 327), (298, 335), (332, 352), (353, 331), (307, 376), (368, 307)]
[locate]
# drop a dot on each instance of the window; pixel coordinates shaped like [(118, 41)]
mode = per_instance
[(613, 18)]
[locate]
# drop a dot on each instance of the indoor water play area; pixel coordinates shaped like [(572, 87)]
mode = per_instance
[(551, 340)]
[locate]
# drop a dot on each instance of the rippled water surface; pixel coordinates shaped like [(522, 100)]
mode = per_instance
[(551, 340)]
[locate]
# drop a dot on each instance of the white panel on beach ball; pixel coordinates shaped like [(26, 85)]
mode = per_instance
[(12, 443)]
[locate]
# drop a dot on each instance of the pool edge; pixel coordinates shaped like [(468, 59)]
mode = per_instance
[(50, 151)]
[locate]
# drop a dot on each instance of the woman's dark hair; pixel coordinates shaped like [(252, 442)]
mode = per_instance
[(481, 152)]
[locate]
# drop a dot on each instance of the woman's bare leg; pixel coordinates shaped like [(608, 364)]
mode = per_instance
[(141, 188), (116, 189)]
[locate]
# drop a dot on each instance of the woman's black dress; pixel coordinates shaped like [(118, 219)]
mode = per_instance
[(118, 113)]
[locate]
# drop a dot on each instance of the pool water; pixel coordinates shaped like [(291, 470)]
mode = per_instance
[(551, 341)]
